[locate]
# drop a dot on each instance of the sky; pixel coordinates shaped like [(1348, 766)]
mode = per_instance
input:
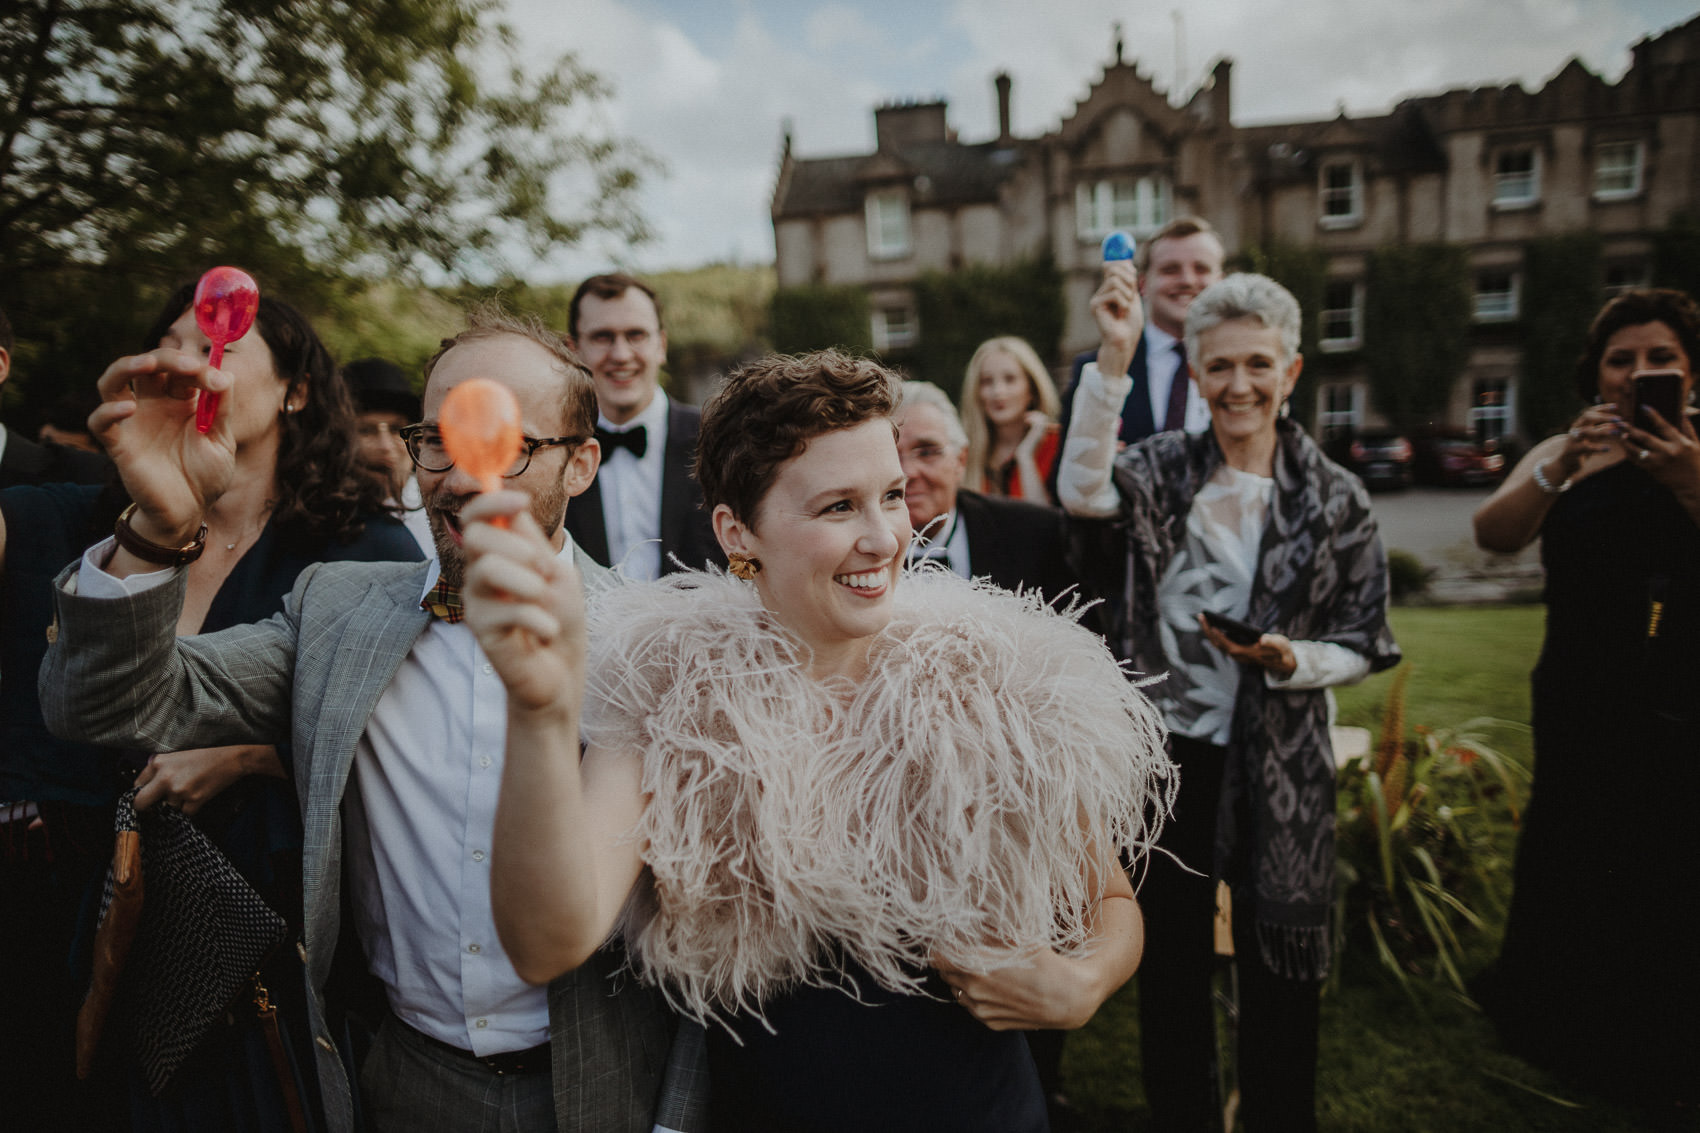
[(708, 86)]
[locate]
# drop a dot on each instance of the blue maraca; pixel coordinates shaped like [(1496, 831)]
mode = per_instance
[(1118, 246)]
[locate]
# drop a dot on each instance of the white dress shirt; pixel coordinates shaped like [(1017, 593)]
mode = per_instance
[(1161, 364), (631, 494), (420, 816), (944, 537)]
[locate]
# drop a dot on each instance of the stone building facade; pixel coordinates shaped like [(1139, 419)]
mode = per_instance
[(1488, 169)]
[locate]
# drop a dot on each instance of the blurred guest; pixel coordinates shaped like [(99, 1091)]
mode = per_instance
[(23, 461), (1017, 544), (1009, 409), (295, 498), (643, 513), (384, 405), (1247, 520), (1597, 978), (67, 422)]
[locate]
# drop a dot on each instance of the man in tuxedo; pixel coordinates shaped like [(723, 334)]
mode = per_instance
[(1182, 259), (644, 510), (23, 461), (398, 726)]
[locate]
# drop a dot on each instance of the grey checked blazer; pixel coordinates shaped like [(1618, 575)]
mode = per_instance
[(313, 674)]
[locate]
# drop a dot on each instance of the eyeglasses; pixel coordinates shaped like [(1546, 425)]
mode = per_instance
[(425, 447)]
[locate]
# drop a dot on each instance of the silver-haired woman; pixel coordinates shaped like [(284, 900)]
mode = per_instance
[(1248, 520)]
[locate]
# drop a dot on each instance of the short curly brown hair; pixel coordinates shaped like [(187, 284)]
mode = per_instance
[(1634, 309), (769, 410)]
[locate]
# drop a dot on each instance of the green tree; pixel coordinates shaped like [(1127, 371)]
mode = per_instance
[(307, 140), (961, 309), (1676, 255), (1561, 293), (1417, 316), (816, 316)]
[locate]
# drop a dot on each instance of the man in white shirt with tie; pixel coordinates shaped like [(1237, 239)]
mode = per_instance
[(644, 511)]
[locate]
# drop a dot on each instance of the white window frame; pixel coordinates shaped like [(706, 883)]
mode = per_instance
[(1347, 421), (1354, 314), (1492, 422), (1140, 205), (888, 224), (891, 333), (1352, 193), (1519, 189), (1635, 168), (1500, 305)]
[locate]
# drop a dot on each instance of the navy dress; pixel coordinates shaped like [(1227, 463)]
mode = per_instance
[(861, 1058), (229, 1083)]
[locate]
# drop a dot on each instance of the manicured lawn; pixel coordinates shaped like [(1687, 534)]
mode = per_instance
[(1392, 1062)]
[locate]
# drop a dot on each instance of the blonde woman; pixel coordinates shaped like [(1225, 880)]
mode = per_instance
[(1009, 410)]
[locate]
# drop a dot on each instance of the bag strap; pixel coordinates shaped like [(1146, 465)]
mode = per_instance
[(267, 1015)]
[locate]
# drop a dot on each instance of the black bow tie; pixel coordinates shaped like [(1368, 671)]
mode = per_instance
[(636, 439)]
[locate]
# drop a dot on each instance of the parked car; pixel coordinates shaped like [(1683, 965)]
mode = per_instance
[(1459, 460), (1381, 458)]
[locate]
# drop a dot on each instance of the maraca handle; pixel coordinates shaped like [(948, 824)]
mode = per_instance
[(206, 407)]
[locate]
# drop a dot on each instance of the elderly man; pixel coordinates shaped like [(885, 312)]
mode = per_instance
[(397, 725), (1017, 544), (644, 510)]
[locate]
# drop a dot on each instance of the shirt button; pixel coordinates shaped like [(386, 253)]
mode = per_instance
[(484, 761), (478, 855), (475, 950), (481, 1023), (488, 668)]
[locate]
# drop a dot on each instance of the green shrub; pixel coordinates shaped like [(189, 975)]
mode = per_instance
[(1407, 577), (819, 316)]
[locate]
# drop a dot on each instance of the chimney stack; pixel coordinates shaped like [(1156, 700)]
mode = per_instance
[(1002, 83)]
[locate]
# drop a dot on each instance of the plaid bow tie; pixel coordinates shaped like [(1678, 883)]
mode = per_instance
[(443, 601)]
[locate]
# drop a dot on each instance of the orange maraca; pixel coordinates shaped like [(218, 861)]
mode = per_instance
[(480, 424)]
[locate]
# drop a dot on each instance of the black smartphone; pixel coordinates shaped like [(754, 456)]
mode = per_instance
[(1233, 629), (1660, 391)]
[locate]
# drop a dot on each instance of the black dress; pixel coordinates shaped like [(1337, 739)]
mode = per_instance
[(863, 1059), (1599, 976)]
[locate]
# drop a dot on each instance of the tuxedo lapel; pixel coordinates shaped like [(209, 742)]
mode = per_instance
[(677, 496), (585, 524)]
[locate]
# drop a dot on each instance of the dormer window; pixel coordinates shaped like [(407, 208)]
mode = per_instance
[(1340, 184), (888, 224)]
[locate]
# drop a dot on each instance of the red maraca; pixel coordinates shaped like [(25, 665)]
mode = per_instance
[(226, 300), (480, 424)]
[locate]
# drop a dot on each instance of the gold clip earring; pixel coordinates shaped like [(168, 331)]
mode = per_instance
[(743, 567)]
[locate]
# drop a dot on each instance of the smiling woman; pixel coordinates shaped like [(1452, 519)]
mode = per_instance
[(829, 788)]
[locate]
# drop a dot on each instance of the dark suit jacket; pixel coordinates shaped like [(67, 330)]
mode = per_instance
[(686, 533), (1016, 543), (25, 462), (1137, 423)]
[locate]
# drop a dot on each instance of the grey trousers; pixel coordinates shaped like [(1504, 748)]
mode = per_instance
[(410, 1085)]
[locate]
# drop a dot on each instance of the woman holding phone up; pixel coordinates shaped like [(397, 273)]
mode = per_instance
[(1597, 979)]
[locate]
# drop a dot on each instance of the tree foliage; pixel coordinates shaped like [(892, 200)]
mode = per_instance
[(1561, 293), (307, 140), (818, 316), (1417, 315), (961, 309), (1676, 255)]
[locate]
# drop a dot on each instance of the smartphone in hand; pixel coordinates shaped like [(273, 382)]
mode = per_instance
[(1661, 391), (1233, 629)]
